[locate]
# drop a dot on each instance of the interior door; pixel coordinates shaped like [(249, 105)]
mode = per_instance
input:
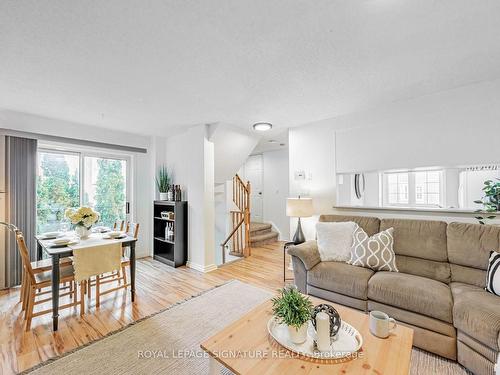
[(254, 174)]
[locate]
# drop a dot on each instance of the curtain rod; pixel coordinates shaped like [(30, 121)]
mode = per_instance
[(80, 142)]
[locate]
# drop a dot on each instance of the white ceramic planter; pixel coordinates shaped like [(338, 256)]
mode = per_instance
[(163, 196), (82, 232), (298, 336)]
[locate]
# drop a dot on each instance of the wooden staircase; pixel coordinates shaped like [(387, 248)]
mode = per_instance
[(262, 234), (240, 218)]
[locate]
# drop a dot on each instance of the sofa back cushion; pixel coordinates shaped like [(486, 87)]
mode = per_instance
[(469, 247), (370, 225), (420, 247)]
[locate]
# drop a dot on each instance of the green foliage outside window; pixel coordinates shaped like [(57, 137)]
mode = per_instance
[(56, 191), (110, 191), (59, 189)]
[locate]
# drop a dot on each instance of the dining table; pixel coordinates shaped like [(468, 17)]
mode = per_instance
[(55, 253)]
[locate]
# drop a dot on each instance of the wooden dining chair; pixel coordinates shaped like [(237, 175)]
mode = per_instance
[(36, 282), (119, 225), (132, 229), (38, 266)]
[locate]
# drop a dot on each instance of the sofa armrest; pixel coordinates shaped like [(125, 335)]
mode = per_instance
[(307, 252)]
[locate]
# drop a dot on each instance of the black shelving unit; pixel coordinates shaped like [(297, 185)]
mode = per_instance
[(171, 251)]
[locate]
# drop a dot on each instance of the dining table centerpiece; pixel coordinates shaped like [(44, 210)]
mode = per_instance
[(82, 220)]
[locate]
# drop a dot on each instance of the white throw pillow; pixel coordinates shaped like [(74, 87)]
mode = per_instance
[(335, 240)]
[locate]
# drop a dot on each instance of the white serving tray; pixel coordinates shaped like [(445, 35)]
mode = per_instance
[(348, 341)]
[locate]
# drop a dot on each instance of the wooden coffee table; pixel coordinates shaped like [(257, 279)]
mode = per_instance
[(245, 347)]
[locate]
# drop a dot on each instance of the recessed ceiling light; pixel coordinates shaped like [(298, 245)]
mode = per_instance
[(262, 126), (282, 144), (272, 141)]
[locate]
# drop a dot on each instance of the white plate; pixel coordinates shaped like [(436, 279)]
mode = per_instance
[(115, 233), (102, 229), (61, 242), (50, 235), (348, 341), (108, 237)]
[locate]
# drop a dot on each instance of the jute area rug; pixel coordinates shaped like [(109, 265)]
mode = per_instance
[(169, 342)]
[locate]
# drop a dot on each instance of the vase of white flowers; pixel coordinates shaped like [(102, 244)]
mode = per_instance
[(82, 219)]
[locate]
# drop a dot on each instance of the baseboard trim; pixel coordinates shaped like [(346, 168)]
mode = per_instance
[(199, 267)]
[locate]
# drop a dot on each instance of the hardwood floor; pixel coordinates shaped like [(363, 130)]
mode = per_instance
[(158, 286)]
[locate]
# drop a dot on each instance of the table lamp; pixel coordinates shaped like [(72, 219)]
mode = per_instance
[(299, 207)]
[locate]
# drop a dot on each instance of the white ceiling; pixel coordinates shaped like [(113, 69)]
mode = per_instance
[(145, 66)]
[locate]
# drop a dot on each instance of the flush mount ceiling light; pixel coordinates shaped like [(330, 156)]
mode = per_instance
[(262, 126)]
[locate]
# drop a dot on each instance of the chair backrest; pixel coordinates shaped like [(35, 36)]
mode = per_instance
[(118, 225), (132, 229), (23, 250)]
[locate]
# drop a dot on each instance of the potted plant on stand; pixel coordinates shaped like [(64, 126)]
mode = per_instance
[(294, 310), (163, 181), (490, 201)]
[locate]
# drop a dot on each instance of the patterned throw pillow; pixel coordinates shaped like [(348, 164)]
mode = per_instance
[(493, 274), (375, 252)]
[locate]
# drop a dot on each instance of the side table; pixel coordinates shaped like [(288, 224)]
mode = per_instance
[(285, 248)]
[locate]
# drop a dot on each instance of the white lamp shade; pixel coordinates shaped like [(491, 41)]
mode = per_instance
[(299, 207)]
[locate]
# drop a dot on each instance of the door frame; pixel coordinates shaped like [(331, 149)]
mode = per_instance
[(261, 157)]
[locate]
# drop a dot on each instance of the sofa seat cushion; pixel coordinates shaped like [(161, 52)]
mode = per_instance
[(341, 278), (476, 313), (413, 293)]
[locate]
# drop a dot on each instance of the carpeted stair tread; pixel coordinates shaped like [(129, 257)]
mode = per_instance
[(265, 236), (257, 227)]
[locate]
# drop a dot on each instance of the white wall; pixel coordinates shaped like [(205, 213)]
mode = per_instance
[(190, 155), (466, 120), (311, 150), (143, 183), (450, 128), (231, 148), (275, 189)]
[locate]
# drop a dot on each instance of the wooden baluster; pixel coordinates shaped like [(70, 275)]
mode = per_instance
[(238, 238), (234, 223)]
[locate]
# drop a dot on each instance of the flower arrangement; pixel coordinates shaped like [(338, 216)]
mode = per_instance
[(82, 217)]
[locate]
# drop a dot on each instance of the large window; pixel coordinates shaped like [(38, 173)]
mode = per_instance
[(104, 188), (58, 187), (397, 186), (69, 179), (413, 189), (428, 188)]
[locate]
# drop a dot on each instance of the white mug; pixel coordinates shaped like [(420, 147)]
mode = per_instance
[(380, 324)]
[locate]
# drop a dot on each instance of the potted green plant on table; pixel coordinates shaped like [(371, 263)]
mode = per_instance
[(163, 181), (490, 201), (294, 310)]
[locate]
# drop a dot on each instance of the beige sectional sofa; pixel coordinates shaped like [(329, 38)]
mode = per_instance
[(439, 291)]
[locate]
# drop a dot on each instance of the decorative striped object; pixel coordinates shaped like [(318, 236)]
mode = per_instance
[(493, 274), (375, 252)]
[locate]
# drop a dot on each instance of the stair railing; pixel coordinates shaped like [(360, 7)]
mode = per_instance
[(240, 220)]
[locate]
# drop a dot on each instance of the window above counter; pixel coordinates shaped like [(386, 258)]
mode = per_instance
[(457, 189)]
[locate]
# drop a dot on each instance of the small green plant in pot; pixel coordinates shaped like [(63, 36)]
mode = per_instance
[(163, 181), (490, 201), (294, 310)]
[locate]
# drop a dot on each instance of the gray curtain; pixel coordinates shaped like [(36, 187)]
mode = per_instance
[(21, 172)]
